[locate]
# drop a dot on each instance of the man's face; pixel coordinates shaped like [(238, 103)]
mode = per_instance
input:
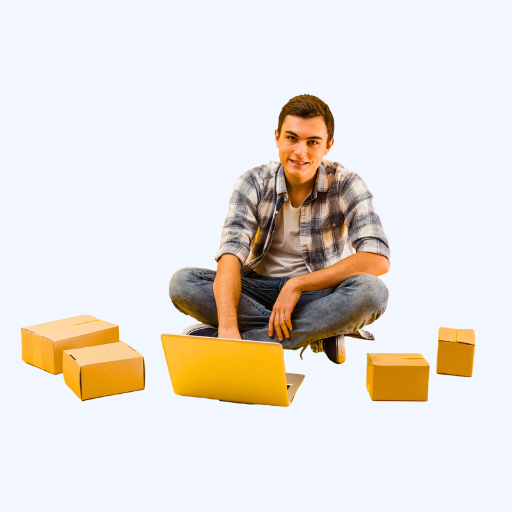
[(302, 146)]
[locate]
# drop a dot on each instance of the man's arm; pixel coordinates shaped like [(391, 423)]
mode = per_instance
[(239, 229), (355, 265), (226, 289)]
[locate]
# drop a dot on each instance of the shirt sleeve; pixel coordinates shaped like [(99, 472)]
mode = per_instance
[(241, 222), (365, 230)]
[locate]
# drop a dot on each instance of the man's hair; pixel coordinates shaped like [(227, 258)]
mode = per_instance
[(308, 106)]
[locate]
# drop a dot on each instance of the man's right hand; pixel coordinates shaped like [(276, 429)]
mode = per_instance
[(231, 333)]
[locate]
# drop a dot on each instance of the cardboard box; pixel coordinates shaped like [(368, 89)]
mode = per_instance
[(397, 377), (42, 345), (456, 351), (103, 370)]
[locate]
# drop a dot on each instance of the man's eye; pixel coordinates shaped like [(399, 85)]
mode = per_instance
[(291, 138), (314, 142)]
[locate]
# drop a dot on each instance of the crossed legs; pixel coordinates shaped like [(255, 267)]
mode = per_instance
[(354, 303)]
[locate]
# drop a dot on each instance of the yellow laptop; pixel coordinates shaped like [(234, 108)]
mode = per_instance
[(250, 372)]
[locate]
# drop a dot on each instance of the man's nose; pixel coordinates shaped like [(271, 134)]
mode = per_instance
[(302, 148)]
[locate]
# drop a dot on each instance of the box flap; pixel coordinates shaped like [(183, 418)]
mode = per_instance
[(447, 334), (50, 327), (74, 331), (466, 336), (103, 353), (398, 360), (69, 327)]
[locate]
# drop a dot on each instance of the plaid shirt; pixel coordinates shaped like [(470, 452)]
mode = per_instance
[(336, 220)]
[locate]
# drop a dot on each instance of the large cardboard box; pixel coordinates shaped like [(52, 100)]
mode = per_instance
[(103, 370), (456, 351), (42, 345), (397, 377)]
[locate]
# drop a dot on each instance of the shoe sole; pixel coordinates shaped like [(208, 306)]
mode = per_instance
[(341, 350), (195, 327)]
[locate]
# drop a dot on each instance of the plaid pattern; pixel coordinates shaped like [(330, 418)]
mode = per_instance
[(337, 218)]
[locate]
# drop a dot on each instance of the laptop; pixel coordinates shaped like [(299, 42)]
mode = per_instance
[(250, 372)]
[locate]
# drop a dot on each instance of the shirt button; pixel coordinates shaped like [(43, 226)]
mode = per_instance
[(334, 224)]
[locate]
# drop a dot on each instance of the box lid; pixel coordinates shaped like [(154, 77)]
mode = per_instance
[(466, 336), (398, 360), (69, 327), (103, 353)]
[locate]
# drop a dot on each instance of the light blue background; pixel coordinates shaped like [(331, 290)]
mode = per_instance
[(123, 126)]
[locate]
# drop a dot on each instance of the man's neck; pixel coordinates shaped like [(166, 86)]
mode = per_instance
[(299, 191)]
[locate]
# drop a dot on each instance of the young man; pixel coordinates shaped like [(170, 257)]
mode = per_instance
[(300, 251)]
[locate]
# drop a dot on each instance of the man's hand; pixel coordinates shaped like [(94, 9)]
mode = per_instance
[(330, 277), (282, 310), (231, 333)]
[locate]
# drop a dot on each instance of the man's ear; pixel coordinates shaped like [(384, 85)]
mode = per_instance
[(329, 146), (277, 137)]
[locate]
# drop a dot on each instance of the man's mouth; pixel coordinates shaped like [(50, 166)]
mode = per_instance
[(296, 162)]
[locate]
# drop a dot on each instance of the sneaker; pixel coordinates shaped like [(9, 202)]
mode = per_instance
[(207, 331), (334, 348)]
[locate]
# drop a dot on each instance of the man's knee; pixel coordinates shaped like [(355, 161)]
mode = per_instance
[(180, 284), (372, 293)]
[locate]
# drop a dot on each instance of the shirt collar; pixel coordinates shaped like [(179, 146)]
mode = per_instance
[(281, 181), (321, 182)]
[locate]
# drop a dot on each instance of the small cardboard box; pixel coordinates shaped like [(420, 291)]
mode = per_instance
[(456, 351), (103, 370), (42, 345), (397, 377)]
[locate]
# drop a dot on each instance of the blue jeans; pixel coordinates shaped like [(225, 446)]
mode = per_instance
[(354, 303)]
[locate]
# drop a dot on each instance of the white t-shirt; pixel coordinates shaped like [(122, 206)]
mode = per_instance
[(284, 257)]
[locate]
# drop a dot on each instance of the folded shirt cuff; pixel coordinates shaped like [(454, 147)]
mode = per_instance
[(374, 246), (241, 252)]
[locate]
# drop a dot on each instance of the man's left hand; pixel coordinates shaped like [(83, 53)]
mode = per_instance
[(282, 310)]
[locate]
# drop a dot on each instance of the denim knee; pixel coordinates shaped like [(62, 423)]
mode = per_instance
[(372, 291), (180, 282)]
